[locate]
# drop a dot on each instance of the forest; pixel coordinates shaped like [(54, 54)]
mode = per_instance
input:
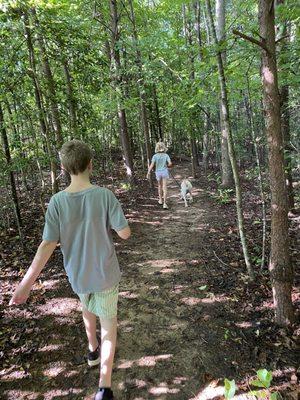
[(209, 296)]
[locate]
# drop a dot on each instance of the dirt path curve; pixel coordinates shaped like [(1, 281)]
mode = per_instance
[(175, 313)]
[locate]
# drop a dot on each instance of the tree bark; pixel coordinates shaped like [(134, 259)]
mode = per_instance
[(142, 90), (117, 82), (50, 83), (39, 104), (225, 111), (189, 43), (227, 176), (6, 151), (71, 99), (285, 118), (157, 114), (280, 266)]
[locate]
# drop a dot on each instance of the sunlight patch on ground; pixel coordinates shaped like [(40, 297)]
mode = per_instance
[(162, 389), (161, 264), (192, 301), (12, 375), (147, 361), (137, 383), (128, 295), (244, 324), (51, 347), (54, 369), (211, 391), (58, 306), (21, 394)]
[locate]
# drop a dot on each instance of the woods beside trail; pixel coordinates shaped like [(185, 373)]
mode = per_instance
[(209, 296)]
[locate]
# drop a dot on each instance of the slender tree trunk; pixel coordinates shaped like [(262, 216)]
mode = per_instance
[(285, 117), (50, 82), (39, 104), (225, 111), (280, 263), (6, 151), (157, 114), (71, 99), (227, 176), (117, 81), (260, 181), (205, 144), (197, 9), (142, 90), (189, 43)]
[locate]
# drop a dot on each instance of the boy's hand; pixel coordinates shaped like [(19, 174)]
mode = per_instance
[(20, 295)]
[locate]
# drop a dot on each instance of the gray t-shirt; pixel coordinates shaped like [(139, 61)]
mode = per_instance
[(82, 222), (161, 160)]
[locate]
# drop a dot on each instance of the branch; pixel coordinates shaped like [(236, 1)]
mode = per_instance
[(250, 39), (282, 37)]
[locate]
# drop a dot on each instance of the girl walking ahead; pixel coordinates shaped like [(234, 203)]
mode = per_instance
[(161, 161)]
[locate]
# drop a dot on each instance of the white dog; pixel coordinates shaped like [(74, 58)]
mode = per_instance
[(186, 189)]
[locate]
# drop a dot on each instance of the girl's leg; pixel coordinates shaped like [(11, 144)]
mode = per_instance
[(165, 191), (90, 321), (108, 345), (160, 191)]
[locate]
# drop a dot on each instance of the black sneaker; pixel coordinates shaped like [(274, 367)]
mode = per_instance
[(93, 357), (104, 394)]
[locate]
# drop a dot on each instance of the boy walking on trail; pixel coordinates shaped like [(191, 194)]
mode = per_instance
[(161, 161), (81, 218)]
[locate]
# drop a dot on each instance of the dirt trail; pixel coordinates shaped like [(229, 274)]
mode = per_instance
[(178, 325)]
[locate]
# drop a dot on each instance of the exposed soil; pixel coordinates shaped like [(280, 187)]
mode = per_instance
[(188, 315)]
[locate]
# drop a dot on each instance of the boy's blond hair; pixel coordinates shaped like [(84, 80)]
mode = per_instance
[(75, 156), (160, 147)]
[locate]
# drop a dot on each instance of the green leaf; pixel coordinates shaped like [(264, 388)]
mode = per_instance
[(230, 388), (265, 377), (273, 396), (203, 287), (257, 383)]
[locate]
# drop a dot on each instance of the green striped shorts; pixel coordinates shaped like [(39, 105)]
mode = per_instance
[(103, 304)]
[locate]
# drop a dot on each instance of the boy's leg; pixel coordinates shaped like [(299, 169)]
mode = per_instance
[(108, 346), (90, 321)]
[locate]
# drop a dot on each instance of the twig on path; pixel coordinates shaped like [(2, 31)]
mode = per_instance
[(220, 260)]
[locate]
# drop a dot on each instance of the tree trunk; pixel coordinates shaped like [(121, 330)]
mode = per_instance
[(117, 82), (227, 177), (198, 27), (71, 99), (225, 111), (280, 263), (39, 104), (260, 181), (189, 44), (142, 90), (157, 114), (285, 117), (205, 144), (50, 83), (10, 172)]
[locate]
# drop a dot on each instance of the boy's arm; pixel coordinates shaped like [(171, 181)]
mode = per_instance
[(151, 166), (41, 257)]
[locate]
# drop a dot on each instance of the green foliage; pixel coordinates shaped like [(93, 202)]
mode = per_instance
[(264, 378), (224, 196), (230, 388)]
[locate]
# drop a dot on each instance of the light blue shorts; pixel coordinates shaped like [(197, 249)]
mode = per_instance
[(162, 174)]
